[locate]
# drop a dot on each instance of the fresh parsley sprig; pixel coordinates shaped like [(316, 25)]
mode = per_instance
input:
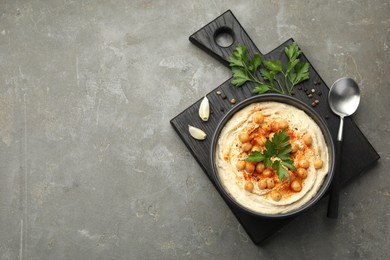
[(244, 69), (277, 154), (296, 71)]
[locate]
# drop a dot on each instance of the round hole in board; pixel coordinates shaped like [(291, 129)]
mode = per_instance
[(224, 37)]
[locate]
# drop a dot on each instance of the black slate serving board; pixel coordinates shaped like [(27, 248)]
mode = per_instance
[(358, 153)]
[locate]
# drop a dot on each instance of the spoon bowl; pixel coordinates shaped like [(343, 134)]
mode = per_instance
[(344, 99)]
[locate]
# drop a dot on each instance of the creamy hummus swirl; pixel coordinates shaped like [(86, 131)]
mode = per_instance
[(229, 151)]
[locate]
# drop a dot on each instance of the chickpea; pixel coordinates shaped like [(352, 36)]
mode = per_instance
[(261, 140), (275, 195), (240, 165), (262, 184), (266, 127), (296, 163), (304, 163), (246, 146), (275, 126), (258, 117), (318, 163), (283, 124), (256, 148), (292, 177), (268, 173), (270, 183), (302, 173), (294, 147), (243, 137), (260, 167), (307, 139), (296, 186), (248, 186), (249, 167)]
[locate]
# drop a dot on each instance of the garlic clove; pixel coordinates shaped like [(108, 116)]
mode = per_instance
[(204, 109), (197, 133)]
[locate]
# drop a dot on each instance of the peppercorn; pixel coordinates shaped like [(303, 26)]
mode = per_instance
[(219, 92)]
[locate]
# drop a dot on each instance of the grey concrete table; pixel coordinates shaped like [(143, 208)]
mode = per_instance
[(90, 167)]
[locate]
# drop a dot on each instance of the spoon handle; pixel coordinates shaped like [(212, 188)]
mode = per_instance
[(333, 204)]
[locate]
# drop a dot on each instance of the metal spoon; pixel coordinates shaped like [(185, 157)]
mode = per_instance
[(344, 98)]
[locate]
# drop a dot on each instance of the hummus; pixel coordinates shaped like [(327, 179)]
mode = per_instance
[(257, 187)]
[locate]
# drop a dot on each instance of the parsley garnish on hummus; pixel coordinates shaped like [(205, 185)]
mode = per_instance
[(277, 154)]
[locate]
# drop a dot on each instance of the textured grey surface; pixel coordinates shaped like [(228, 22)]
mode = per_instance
[(90, 167)]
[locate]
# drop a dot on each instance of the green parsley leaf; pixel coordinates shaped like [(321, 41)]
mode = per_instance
[(280, 171), (289, 164), (292, 76), (239, 77), (285, 151), (270, 147), (254, 63), (292, 51), (267, 162), (255, 156), (239, 57), (268, 75), (261, 88), (291, 65), (273, 65), (277, 154), (302, 70)]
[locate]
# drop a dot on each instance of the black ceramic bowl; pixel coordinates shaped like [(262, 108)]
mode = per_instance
[(311, 113)]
